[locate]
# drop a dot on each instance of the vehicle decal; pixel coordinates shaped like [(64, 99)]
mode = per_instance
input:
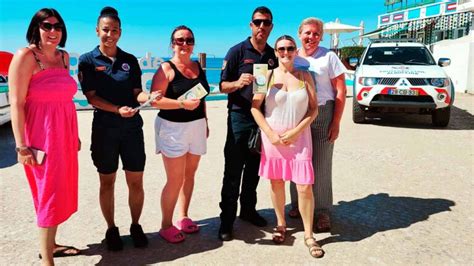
[(359, 96), (448, 99), (402, 71)]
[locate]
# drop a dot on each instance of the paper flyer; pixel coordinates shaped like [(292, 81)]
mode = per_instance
[(260, 82), (153, 97), (196, 92)]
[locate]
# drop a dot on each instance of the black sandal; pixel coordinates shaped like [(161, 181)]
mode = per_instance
[(64, 251), (315, 249)]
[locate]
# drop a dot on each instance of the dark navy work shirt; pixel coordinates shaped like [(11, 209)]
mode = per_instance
[(113, 81), (239, 60)]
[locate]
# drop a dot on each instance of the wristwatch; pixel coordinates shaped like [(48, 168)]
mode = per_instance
[(21, 148)]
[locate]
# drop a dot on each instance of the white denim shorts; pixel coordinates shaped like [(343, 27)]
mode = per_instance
[(175, 139)]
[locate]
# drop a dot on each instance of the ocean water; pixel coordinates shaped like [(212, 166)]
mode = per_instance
[(213, 69), (213, 75)]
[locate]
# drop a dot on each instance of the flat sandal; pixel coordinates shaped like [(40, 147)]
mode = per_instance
[(279, 234), (315, 250)]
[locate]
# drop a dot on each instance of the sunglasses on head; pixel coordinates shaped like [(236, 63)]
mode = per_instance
[(181, 41), (258, 22), (287, 48), (46, 26)]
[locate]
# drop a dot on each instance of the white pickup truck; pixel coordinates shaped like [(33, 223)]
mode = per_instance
[(4, 104), (401, 76)]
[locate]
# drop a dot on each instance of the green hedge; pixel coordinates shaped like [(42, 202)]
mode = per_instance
[(351, 51)]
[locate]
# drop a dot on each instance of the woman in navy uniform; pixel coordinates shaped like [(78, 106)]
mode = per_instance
[(111, 80)]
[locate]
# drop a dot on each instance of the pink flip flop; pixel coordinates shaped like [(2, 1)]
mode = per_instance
[(172, 235), (187, 225)]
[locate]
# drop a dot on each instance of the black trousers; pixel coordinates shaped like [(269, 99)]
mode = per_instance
[(240, 164)]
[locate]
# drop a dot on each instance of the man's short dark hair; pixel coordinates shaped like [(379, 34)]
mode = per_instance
[(263, 10)]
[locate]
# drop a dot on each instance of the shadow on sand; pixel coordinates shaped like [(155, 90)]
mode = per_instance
[(359, 219), (352, 221), (460, 120), (159, 250)]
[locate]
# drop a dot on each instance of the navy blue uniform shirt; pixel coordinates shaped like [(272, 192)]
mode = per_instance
[(239, 60), (113, 81)]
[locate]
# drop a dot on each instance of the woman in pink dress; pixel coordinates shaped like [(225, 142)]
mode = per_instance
[(44, 121), (290, 107)]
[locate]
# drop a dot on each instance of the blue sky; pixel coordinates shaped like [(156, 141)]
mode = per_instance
[(147, 25)]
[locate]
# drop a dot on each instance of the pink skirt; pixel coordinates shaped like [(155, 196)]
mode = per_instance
[(288, 163)]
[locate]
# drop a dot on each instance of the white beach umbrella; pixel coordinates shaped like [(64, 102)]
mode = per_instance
[(334, 28)]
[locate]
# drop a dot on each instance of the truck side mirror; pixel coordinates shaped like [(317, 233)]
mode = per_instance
[(443, 62), (353, 61)]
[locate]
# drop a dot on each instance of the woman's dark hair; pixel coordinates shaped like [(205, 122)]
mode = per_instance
[(181, 27), (109, 12), (33, 33), (284, 37)]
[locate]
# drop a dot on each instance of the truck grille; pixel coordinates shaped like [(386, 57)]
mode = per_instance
[(417, 81), (388, 81)]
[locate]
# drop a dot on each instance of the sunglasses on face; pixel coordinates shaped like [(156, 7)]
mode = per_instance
[(46, 26), (258, 22), (181, 41), (287, 48)]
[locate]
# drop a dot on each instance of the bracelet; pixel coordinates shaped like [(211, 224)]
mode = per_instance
[(181, 104), (21, 148), (117, 111)]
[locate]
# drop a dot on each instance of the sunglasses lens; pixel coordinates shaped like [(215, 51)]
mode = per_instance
[(289, 49), (258, 22), (48, 26), (181, 41), (58, 26)]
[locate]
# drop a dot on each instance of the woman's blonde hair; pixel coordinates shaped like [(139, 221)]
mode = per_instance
[(312, 20)]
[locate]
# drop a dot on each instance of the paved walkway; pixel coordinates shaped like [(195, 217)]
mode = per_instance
[(403, 195)]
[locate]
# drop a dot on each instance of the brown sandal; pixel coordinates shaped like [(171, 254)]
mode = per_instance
[(315, 249), (279, 234), (323, 223)]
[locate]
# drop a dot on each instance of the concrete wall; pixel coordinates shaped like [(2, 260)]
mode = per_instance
[(461, 53)]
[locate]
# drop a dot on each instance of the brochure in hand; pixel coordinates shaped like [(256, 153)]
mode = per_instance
[(196, 92), (260, 74), (152, 98)]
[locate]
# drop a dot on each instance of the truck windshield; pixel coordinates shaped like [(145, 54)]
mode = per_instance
[(398, 56)]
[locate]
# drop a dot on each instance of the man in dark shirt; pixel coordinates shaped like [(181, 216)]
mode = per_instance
[(236, 80)]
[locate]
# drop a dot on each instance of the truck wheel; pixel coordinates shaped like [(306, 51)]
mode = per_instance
[(440, 117), (358, 114)]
